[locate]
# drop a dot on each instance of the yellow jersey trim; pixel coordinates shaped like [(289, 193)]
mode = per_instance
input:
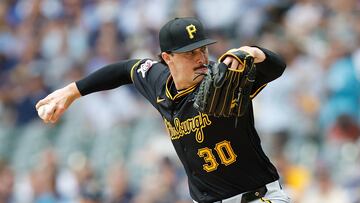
[(257, 91), (132, 70), (158, 100), (179, 94)]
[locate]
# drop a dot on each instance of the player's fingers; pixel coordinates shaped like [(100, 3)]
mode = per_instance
[(44, 101), (234, 65), (227, 61), (57, 114), (49, 113)]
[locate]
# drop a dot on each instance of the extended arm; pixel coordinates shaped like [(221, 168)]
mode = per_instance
[(108, 77)]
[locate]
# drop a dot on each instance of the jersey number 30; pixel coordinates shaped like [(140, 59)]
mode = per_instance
[(223, 150)]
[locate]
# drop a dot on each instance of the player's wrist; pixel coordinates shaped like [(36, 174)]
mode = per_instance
[(73, 91)]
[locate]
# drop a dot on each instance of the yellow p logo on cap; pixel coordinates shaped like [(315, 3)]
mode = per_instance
[(191, 29)]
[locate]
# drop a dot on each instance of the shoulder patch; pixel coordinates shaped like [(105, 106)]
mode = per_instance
[(145, 67)]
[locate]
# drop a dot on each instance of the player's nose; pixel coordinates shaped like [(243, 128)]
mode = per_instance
[(200, 57)]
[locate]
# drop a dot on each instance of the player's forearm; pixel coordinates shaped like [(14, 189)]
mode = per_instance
[(106, 78), (272, 67)]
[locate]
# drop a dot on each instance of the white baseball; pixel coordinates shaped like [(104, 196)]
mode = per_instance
[(44, 110)]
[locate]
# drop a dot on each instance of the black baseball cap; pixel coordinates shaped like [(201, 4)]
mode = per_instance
[(182, 35)]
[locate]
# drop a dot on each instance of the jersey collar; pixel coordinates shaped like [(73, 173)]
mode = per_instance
[(180, 93)]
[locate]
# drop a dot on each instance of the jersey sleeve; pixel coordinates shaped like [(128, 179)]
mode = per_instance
[(268, 70), (149, 77), (107, 77)]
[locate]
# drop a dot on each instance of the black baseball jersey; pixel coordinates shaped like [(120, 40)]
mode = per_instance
[(220, 158)]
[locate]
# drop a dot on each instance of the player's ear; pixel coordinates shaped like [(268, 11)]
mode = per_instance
[(166, 57)]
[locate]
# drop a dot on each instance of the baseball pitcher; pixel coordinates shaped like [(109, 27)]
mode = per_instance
[(206, 107)]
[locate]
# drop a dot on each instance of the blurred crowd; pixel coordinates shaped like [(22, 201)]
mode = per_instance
[(112, 146)]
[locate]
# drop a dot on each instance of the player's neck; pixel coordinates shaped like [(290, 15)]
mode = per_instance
[(181, 86), (175, 88)]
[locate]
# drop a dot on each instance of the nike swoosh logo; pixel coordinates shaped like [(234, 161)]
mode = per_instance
[(158, 100)]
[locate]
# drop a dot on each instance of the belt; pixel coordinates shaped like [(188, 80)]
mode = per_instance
[(247, 196), (253, 194)]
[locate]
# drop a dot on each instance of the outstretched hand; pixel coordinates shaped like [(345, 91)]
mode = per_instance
[(56, 103)]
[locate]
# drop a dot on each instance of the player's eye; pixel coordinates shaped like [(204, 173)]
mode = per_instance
[(203, 49), (190, 53)]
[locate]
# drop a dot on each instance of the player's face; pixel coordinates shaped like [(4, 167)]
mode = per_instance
[(188, 68)]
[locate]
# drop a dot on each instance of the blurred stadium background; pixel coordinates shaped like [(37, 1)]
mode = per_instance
[(112, 146)]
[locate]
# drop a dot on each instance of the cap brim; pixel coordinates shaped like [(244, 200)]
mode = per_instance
[(195, 45)]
